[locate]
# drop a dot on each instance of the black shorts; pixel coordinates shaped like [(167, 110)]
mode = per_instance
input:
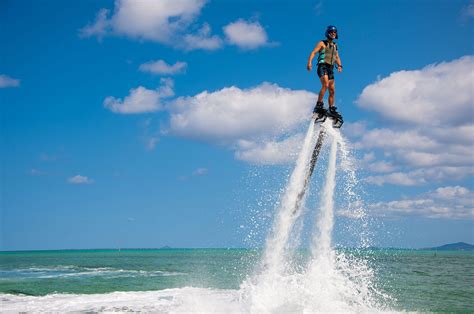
[(326, 69)]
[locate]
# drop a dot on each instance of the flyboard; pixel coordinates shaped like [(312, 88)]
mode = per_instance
[(319, 117)]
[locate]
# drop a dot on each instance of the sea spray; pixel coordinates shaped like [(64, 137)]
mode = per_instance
[(273, 277), (322, 241), (356, 263), (330, 281), (275, 257), (354, 207), (335, 281)]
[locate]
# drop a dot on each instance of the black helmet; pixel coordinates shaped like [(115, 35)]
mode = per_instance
[(331, 28)]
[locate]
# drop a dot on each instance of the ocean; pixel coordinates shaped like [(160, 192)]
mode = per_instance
[(214, 280)]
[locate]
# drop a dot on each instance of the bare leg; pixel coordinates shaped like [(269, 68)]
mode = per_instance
[(324, 86), (332, 90)]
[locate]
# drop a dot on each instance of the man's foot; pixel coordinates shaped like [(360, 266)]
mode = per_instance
[(336, 117), (319, 113), (333, 112), (319, 108)]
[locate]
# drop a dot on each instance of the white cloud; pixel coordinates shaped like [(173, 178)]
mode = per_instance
[(429, 159), (451, 202), (381, 167), (154, 20), (201, 40), (393, 138), (270, 152), (421, 154), (246, 35), (6, 81), (161, 67), (422, 146), (437, 95), (421, 176), (456, 135), (99, 28), (254, 122), (429, 131), (165, 21), (233, 113), (354, 129), (368, 157), (80, 180), (141, 100), (450, 192), (397, 178), (150, 135)]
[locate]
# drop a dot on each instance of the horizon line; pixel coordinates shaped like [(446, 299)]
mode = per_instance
[(214, 248)]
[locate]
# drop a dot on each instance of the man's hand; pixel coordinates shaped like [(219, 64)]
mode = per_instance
[(309, 66)]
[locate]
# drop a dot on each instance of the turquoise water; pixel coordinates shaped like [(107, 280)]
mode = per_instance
[(416, 280)]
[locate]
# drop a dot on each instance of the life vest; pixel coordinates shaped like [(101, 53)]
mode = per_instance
[(328, 54)]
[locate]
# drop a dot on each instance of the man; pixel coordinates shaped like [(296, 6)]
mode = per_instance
[(328, 56)]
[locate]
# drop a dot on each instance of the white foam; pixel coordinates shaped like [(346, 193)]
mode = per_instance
[(183, 300)]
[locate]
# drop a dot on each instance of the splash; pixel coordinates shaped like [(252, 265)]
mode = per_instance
[(328, 280), (325, 222), (275, 256)]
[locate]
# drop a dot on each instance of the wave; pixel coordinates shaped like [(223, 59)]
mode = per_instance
[(188, 299), (177, 300), (64, 271)]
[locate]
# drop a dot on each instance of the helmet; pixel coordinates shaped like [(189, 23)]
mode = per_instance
[(331, 28)]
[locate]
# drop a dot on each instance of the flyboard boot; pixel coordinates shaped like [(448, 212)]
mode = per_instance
[(335, 116), (319, 113)]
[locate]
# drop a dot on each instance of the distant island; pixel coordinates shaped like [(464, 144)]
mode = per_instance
[(459, 246)]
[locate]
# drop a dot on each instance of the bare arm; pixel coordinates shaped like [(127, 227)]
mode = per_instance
[(316, 49), (339, 62)]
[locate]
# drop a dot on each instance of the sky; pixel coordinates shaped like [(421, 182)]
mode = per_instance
[(151, 123)]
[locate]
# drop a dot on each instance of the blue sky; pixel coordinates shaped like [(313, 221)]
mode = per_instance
[(152, 123)]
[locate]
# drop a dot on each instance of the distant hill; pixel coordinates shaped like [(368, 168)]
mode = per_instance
[(459, 246)]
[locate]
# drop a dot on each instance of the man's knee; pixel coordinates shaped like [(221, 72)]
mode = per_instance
[(332, 88)]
